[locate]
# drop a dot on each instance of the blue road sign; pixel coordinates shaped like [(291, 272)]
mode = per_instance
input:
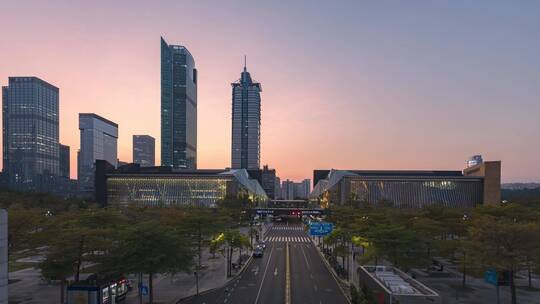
[(492, 277), (320, 228), (144, 290)]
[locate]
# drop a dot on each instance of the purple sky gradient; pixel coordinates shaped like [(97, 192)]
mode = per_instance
[(354, 85)]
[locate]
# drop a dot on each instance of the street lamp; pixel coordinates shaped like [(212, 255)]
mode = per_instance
[(196, 273)]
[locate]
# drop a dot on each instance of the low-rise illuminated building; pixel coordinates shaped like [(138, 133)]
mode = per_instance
[(167, 186), (480, 184)]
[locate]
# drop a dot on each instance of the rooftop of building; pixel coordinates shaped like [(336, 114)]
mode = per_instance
[(176, 47), (396, 282), (143, 136), (93, 115), (32, 79), (326, 174)]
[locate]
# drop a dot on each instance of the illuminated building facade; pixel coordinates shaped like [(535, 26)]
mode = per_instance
[(407, 189), (165, 186), (30, 122)]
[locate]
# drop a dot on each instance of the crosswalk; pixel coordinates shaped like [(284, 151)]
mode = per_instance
[(297, 228), (290, 239)]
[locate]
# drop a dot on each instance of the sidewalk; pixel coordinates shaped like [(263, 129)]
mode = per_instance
[(342, 283), (170, 289), (27, 287), (477, 290)]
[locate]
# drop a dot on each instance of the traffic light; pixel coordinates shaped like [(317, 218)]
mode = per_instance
[(296, 213)]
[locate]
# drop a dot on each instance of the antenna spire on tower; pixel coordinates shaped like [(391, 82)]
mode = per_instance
[(245, 63)]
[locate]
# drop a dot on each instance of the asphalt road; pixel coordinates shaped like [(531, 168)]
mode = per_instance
[(265, 281)]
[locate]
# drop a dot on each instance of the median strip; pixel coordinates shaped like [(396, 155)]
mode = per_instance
[(287, 276)]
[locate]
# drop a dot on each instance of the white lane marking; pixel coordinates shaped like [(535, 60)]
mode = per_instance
[(275, 272), (264, 275), (305, 257)]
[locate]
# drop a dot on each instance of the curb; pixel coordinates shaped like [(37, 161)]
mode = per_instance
[(229, 281), (339, 281)]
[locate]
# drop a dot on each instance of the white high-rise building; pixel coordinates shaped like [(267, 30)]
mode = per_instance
[(302, 189), (291, 190)]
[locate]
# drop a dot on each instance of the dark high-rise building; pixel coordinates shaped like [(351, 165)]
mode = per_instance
[(30, 133), (178, 107), (64, 161), (269, 181), (144, 147), (246, 122)]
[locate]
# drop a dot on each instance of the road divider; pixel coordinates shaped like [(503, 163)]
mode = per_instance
[(287, 275)]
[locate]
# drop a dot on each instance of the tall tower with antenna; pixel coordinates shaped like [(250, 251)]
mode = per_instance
[(246, 122)]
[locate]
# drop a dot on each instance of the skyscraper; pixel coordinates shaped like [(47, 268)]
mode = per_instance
[(268, 177), (30, 133), (246, 122), (287, 190), (178, 107), (99, 137), (64, 161), (144, 147)]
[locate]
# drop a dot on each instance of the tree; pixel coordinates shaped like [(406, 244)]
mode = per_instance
[(58, 265), (401, 246), (23, 223), (87, 234), (502, 242), (235, 207), (150, 248), (202, 224), (215, 244), (234, 240)]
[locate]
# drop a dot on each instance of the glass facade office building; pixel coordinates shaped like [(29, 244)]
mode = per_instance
[(400, 189), (144, 147), (158, 187), (64, 161), (99, 137), (178, 107), (246, 123), (30, 132)]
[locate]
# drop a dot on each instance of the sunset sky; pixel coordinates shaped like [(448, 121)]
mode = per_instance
[(346, 84)]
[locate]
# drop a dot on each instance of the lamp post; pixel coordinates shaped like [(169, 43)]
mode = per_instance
[(196, 273), (251, 232), (465, 219)]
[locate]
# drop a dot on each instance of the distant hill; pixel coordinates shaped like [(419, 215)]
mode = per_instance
[(519, 186), (523, 196)]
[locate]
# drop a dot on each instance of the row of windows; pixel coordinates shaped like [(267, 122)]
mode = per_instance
[(168, 191), (412, 194)]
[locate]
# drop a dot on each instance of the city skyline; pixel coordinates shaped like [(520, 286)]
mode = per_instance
[(432, 104)]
